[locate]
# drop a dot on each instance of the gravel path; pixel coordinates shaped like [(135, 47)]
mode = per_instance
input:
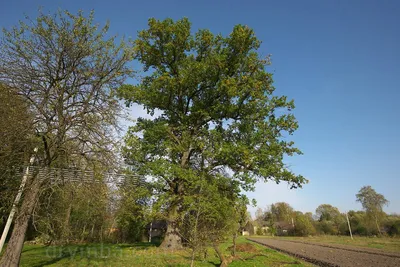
[(332, 255)]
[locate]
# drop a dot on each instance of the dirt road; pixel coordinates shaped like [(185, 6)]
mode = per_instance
[(332, 255)]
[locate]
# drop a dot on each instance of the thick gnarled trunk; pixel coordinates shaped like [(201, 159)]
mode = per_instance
[(172, 239), (12, 255)]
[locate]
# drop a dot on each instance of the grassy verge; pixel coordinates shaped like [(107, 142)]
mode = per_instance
[(145, 254), (383, 243)]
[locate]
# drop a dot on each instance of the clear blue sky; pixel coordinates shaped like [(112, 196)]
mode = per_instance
[(339, 60)]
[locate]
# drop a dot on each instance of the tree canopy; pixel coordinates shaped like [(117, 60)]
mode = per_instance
[(282, 211), (373, 203), (370, 200), (327, 212), (66, 69)]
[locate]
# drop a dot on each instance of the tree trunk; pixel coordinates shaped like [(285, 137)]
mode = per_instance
[(172, 239), (234, 244), (377, 225), (83, 233), (67, 230), (192, 258), (224, 261), (12, 255), (92, 233)]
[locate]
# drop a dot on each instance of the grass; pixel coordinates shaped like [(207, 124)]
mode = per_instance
[(384, 243), (146, 254)]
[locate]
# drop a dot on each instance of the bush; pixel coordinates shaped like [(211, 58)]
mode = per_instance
[(259, 231), (327, 227), (361, 230), (304, 227), (392, 227)]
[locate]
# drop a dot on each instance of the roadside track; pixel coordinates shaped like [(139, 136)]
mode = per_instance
[(332, 255)]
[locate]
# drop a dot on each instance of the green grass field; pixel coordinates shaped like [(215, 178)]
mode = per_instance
[(145, 254), (383, 243)]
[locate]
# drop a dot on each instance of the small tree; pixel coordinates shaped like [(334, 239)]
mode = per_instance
[(241, 217), (282, 212), (260, 219), (132, 211), (210, 214), (303, 225), (373, 203), (329, 218)]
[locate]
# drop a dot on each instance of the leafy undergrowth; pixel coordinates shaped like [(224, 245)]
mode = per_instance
[(147, 254), (391, 244)]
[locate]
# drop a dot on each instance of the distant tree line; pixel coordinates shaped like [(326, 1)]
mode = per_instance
[(281, 219)]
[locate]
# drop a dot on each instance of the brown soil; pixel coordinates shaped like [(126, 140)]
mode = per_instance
[(247, 247), (332, 255)]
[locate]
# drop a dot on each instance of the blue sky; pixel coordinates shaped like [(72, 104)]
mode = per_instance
[(339, 60)]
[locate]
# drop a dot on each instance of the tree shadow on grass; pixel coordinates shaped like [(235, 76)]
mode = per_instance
[(214, 264), (139, 245), (32, 248), (53, 254), (48, 260)]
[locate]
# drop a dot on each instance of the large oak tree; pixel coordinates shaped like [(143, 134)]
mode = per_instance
[(219, 113)]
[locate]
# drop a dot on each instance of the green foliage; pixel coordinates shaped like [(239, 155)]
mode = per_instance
[(360, 224), (16, 128), (16, 145), (281, 212), (327, 227), (330, 219), (132, 212), (211, 213), (303, 225), (327, 212), (259, 231), (371, 201), (204, 80), (392, 225), (73, 213)]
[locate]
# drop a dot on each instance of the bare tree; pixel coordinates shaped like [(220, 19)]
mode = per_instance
[(66, 69)]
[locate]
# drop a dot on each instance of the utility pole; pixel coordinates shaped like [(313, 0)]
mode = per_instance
[(16, 201), (348, 223)]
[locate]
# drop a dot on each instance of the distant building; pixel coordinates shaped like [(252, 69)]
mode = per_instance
[(156, 228), (283, 228), (248, 229)]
